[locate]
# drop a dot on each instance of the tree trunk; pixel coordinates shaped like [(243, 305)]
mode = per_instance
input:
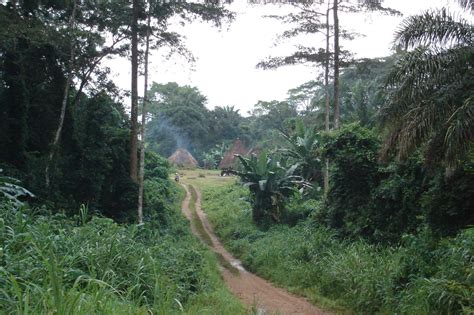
[(57, 136), (336, 66), (141, 174), (326, 88), (134, 96)]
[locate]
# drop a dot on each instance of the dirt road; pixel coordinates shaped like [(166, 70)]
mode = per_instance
[(249, 288)]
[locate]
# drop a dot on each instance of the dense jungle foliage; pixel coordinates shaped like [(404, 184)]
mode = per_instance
[(86, 264), (367, 209), (422, 274), (66, 195)]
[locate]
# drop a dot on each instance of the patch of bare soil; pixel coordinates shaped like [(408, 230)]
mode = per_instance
[(249, 288)]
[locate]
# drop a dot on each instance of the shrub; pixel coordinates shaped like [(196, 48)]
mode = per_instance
[(423, 275), (394, 207), (352, 150), (270, 182), (448, 202)]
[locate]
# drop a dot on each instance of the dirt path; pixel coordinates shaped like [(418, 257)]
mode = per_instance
[(249, 288)]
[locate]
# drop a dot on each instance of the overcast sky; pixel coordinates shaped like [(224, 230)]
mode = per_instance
[(225, 71)]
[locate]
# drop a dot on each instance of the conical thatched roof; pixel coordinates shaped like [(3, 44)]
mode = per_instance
[(182, 158), (237, 147)]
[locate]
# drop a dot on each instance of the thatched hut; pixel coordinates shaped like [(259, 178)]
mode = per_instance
[(182, 158), (229, 160)]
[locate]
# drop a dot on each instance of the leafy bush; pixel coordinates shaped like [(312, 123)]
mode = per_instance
[(270, 182), (394, 207), (448, 202), (156, 166), (383, 202), (299, 208), (91, 164), (352, 150), (424, 275)]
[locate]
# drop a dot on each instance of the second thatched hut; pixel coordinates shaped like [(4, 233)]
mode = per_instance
[(229, 160)]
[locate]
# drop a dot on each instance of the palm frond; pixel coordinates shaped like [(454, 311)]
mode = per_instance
[(434, 28), (460, 131), (419, 124), (422, 74), (429, 90), (467, 4)]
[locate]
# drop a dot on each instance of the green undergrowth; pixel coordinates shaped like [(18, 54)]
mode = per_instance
[(423, 275), (53, 264)]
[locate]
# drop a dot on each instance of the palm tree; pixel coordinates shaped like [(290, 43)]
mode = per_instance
[(430, 90)]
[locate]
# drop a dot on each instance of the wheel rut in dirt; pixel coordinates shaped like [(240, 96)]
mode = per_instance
[(249, 288)]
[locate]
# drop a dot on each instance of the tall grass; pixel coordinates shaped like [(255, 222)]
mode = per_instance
[(52, 264), (420, 276)]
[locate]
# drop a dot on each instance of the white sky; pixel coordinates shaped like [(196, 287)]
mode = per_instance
[(225, 71)]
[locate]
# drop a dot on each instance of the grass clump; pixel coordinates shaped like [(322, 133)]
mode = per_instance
[(50, 263), (421, 275)]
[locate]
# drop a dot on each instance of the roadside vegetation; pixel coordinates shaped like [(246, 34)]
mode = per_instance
[(420, 275), (87, 263), (373, 215)]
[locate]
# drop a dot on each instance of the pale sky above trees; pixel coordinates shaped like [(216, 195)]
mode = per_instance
[(225, 70)]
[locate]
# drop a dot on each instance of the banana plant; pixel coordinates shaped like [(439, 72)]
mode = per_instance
[(270, 183), (303, 147)]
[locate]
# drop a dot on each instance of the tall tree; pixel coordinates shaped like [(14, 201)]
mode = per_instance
[(327, 63), (179, 118), (57, 135), (78, 36), (308, 21), (134, 93), (35, 64), (161, 14), (326, 94), (225, 124), (141, 174), (337, 50)]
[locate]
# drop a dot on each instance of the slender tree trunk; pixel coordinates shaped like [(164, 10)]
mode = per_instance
[(134, 98), (336, 66), (326, 88), (57, 136), (326, 74), (141, 174)]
